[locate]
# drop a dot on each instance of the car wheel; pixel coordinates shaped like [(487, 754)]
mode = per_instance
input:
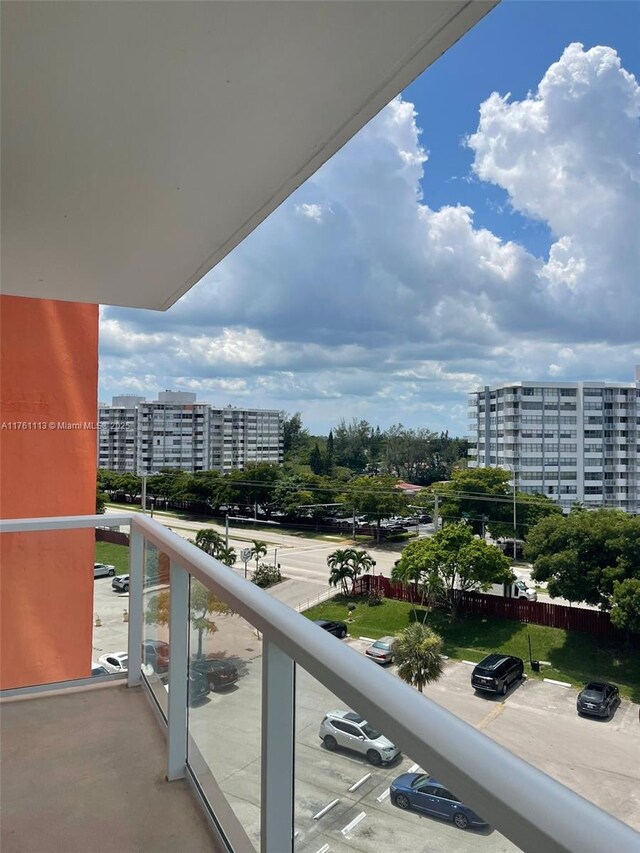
[(125, 588), (112, 572), (608, 714), (342, 633), (330, 742), (374, 757), (461, 820), (402, 801), (503, 690)]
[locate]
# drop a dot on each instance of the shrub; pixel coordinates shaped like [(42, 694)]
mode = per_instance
[(374, 598), (266, 575)]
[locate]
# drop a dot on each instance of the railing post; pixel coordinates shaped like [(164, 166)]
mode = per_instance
[(278, 729), (136, 573), (178, 671)]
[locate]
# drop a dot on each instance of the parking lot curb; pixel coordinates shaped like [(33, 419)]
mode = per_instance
[(559, 683)]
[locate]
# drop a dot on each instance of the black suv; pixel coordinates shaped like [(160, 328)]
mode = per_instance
[(496, 673), (219, 673)]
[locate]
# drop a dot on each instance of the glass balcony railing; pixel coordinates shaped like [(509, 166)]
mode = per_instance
[(277, 725)]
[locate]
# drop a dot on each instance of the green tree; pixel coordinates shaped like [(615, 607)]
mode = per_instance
[(583, 554), (625, 605), (351, 444), (469, 493), (226, 555), (258, 549), (360, 561), (101, 501), (376, 497), (339, 563), (209, 541), (315, 460), (460, 561), (294, 435), (330, 451), (418, 655), (202, 604)]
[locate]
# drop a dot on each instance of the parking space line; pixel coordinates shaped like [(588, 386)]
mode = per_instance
[(413, 768), (351, 826), (324, 849), (357, 784), (323, 811), (491, 716), (383, 795), (367, 639), (559, 683)]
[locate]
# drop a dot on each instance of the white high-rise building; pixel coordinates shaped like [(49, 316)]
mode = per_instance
[(175, 431), (572, 441)]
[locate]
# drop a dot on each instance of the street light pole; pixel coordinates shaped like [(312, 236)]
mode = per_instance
[(144, 493), (515, 516)]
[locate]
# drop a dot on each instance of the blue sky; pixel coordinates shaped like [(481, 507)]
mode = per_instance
[(463, 237), (509, 51)]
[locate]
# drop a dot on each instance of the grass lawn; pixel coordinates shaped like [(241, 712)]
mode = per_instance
[(115, 555), (574, 657)]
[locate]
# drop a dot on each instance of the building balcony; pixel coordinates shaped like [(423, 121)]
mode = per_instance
[(152, 761)]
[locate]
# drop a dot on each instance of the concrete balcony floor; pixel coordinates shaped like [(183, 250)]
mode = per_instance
[(85, 770)]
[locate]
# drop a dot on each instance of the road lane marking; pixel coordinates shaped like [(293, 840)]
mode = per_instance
[(357, 784), (351, 826), (493, 714), (326, 809), (383, 795)]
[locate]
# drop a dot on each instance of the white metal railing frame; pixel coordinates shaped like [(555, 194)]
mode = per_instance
[(534, 811)]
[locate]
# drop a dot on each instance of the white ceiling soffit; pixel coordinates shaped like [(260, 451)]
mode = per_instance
[(142, 141)]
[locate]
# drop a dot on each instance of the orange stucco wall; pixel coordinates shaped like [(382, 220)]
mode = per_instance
[(48, 377)]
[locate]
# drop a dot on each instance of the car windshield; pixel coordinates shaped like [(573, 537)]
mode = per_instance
[(370, 732), (593, 691), (419, 780), (379, 645)]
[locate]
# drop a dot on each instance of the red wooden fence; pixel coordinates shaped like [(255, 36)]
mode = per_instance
[(494, 606)]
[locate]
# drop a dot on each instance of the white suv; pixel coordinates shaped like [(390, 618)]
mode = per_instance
[(348, 730)]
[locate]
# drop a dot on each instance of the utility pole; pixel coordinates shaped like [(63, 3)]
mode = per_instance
[(353, 528), (436, 520), (226, 530)]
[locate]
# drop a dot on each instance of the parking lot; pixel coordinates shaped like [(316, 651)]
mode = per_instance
[(536, 720)]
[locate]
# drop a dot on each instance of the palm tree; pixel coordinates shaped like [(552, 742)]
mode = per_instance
[(341, 569), (209, 541), (418, 655), (227, 556), (360, 561), (258, 549)]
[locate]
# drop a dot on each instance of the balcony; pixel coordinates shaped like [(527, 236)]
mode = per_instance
[(232, 754)]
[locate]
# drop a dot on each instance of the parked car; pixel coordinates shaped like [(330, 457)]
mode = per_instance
[(423, 793), (598, 699), (219, 673), (382, 650), (338, 629), (115, 662), (155, 653), (98, 669), (120, 583), (349, 730), (103, 570), (198, 686), (496, 673)]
